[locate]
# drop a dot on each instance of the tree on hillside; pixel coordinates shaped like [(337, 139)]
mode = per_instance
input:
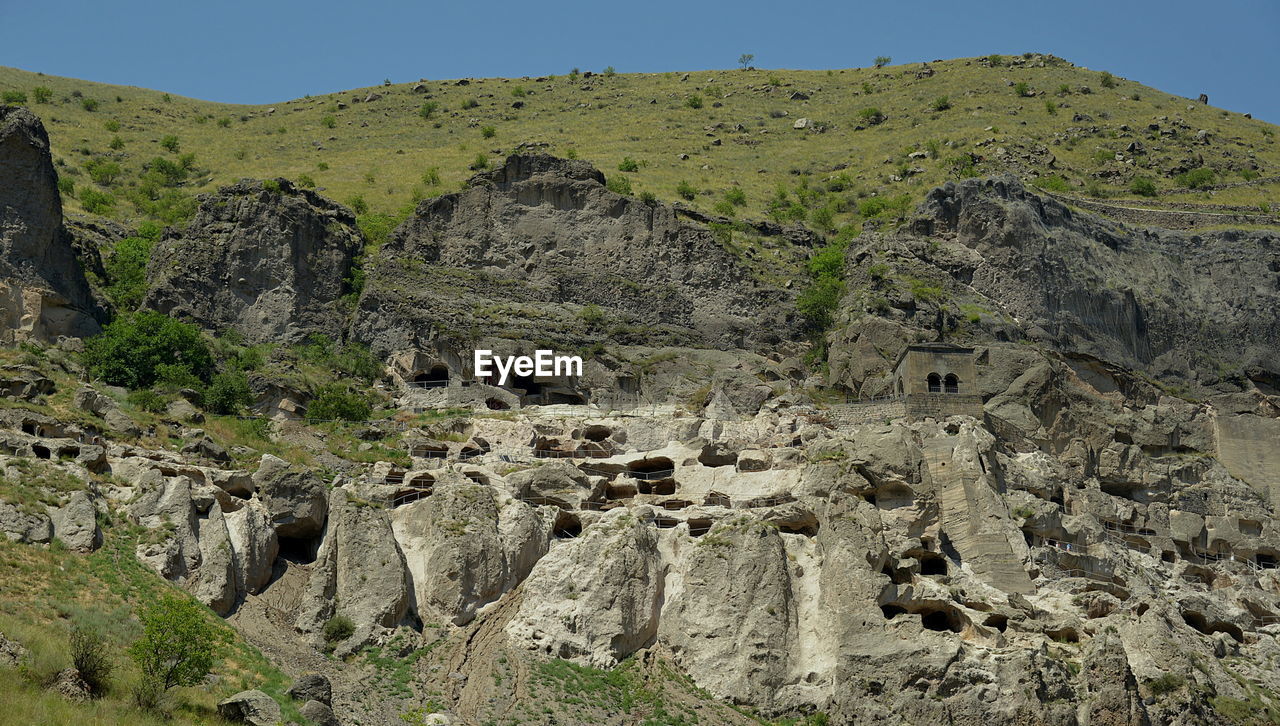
[(746, 59), (882, 61), (178, 647), (132, 349)]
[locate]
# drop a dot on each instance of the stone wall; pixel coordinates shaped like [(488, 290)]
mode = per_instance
[(942, 405), (859, 414)]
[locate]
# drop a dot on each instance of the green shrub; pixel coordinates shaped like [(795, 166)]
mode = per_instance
[(334, 402), (1094, 188), (1143, 186), (610, 72), (941, 103), (116, 144), (1108, 80), (96, 202), (431, 177), (735, 196), (126, 269), (628, 164), (469, 104), (1052, 182), (128, 351), (519, 92), (591, 314), (694, 101), (871, 115), (329, 121), (882, 60), (111, 125), (1050, 107), (1167, 683), (224, 122), (725, 207), (818, 303), (147, 400), (170, 143), (89, 104), (228, 393), (867, 88), (488, 132), (90, 656), (41, 94), (618, 185), (1196, 178), (996, 60), (178, 647), (102, 171), (480, 163), (14, 97), (1022, 88), (338, 628), (358, 204), (428, 109), (686, 191), (305, 180), (649, 198), (67, 186)]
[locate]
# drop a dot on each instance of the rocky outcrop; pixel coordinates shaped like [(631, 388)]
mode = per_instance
[(43, 292), (465, 547), (76, 523), (359, 572), (1022, 266), (295, 498), (268, 259), (594, 598), (545, 235)]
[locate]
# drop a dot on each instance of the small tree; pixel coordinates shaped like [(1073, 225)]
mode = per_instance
[(178, 647), (746, 59), (129, 351), (882, 61), (41, 94), (89, 656)]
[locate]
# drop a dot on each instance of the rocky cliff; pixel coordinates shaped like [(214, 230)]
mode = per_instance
[(540, 250), (268, 259), (989, 260), (43, 292)]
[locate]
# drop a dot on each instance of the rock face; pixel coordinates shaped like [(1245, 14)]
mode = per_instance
[(579, 603), (359, 572), (76, 524), (546, 233), (43, 292), (268, 259), (294, 497), (1161, 301)]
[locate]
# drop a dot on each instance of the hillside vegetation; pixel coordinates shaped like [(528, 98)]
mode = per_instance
[(722, 141)]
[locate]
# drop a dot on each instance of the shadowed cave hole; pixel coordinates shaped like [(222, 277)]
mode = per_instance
[(41, 452), (999, 622), (568, 526), (1198, 621), (299, 550)]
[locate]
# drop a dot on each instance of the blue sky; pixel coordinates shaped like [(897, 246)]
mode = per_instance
[(266, 51)]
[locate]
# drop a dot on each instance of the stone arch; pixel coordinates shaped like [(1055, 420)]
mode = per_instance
[(438, 375), (951, 384), (934, 382)]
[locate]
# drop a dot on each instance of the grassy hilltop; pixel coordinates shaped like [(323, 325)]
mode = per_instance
[(889, 132)]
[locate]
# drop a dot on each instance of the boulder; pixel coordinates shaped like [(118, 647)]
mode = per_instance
[(319, 714), (71, 685), (312, 687), (206, 448), (183, 410), (295, 498), (215, 579), (12, 653), (254, 542), (25, 527), (252, 707), (76, 523)]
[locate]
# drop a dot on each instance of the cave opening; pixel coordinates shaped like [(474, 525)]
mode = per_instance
[(299, 550), (567, 526), (597, 433), (41, 452), (932, 565), (437, 376), (496, 404), (941, 620), (699, 527), (997, 621), (714, 455), (892, 611)]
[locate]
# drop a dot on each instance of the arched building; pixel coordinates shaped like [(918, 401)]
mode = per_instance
[(936, 380)]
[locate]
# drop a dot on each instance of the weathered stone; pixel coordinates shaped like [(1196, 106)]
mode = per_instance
[(76, 523), (294, 496), (312, 687), (251, 707)]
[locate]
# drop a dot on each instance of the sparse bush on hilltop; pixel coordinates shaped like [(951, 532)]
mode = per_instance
[(882, 61), (89, 104), (694, 101), (428, 109), (1108, 80), (41, 94), (996, 60)]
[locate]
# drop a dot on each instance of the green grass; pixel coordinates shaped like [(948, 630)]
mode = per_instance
[(385, 162), (47, 591)]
